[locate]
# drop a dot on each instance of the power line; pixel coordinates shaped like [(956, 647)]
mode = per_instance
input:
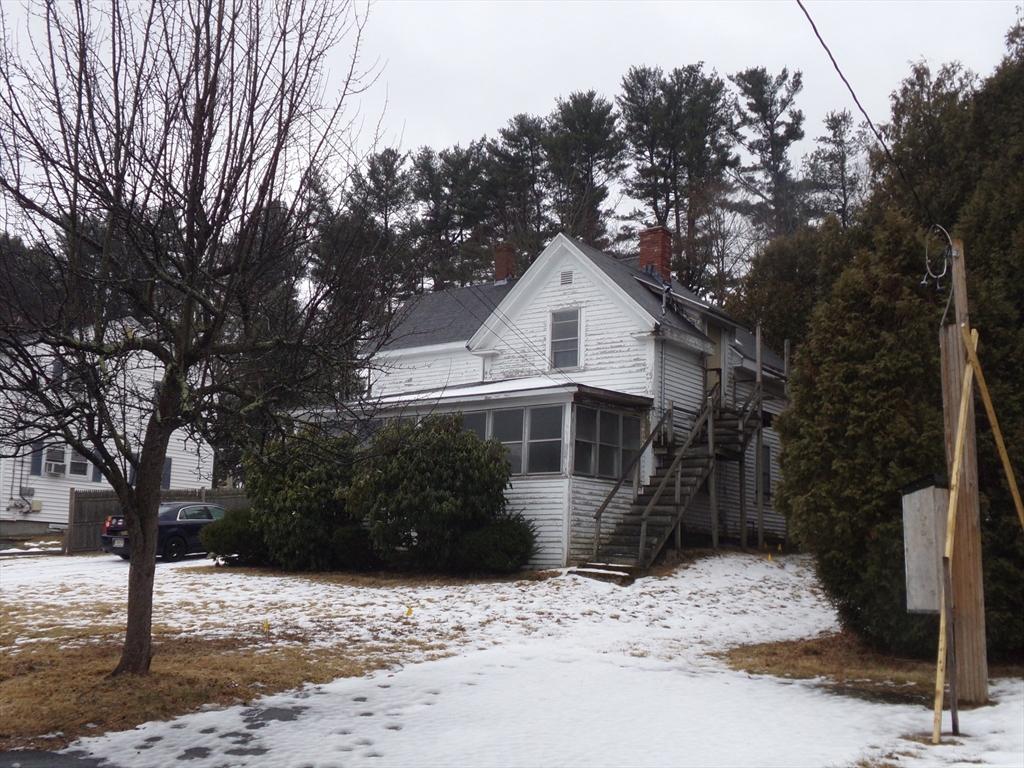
[(511, 325), (878, 135), (483, 322)]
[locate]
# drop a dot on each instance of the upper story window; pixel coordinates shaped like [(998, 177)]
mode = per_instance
[(565, 338)]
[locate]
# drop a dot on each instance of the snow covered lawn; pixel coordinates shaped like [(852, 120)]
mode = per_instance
[(563, 671)]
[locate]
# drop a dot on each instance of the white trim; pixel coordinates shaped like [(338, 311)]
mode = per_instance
[(426, 349), (524, 290)]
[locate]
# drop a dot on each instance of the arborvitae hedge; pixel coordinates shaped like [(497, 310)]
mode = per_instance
[(866, 413)]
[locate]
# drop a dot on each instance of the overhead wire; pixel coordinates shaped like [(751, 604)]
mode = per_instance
[(483, 322), (881, 140), (511, 325)]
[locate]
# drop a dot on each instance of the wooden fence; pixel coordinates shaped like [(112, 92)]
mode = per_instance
[(88, 509)]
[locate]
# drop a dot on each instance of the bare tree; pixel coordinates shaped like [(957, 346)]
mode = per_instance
[(159, 158)]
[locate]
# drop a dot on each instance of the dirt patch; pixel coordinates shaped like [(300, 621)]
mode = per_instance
[(848, 667), (51, 694)]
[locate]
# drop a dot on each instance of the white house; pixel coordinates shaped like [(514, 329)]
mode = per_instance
[(573, 366), (36, 480)]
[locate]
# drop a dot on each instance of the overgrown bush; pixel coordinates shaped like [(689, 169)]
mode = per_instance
[(298, 490), (502, 546), (866, 413), (353, 550), (235, 539), (424, 486)]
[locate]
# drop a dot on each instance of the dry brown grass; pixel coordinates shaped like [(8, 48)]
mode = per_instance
[(48, 687), (384, 579), (849, 666)]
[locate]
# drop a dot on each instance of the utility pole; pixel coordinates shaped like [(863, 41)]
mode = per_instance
[(967, 587)]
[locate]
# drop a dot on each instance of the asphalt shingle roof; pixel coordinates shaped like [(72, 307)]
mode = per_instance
[(445, 316)]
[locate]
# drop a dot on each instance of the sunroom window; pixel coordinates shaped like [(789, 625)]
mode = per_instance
[(606, 442), (507, 428), (545, 445), (565, 338)]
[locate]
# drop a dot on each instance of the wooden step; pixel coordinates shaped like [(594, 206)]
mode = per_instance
[(621, 573)]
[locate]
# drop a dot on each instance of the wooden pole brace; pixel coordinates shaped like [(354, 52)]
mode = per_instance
[(945, 616), (997, 433)]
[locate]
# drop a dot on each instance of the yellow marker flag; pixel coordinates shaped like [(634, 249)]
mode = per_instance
[(408, 610)]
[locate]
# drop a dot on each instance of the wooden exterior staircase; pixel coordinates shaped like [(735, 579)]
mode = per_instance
[(682, 468)]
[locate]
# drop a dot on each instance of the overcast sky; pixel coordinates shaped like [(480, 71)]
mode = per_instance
[(454, 71)]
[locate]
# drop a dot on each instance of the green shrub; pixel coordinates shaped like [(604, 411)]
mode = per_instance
[(504, 545), (866, 413), (423, 487), (353, 549), (234, 538), (298, 489)]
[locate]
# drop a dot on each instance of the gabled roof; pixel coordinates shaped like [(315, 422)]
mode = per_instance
[(442, 317), (640, 287)]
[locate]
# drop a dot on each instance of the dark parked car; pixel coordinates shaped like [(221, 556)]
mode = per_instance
[(179, 524)]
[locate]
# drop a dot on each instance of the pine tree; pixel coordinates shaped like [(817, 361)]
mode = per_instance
[(699, 127), (769, 123), (834, 172), (643, 114), (585, 155), (519, 206)]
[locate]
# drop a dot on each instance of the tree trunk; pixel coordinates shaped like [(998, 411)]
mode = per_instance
[(141, 516), (141, 519)]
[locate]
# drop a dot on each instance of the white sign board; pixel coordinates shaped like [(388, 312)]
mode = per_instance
[(924, 532)]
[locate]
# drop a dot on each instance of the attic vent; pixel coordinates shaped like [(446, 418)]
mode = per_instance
[(567, 277)]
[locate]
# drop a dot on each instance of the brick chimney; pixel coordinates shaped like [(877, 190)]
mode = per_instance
[(504, 262), (656, 252)]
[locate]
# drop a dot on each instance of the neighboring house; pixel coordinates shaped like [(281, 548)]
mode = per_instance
[(573, 366), (36, 482)]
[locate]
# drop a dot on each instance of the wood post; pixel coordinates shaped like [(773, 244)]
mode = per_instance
[(743, 498), (947, 616), (678, 502), (713, 477), (968, 590), (759, 458)]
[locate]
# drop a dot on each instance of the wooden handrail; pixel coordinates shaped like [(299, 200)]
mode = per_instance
[(655, 430), (704, 418)]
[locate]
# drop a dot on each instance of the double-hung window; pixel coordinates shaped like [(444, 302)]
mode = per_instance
[(565, 338), (78, 465)]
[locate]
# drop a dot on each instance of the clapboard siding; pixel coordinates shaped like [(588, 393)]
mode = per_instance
[(586, 495), (681, 381), (614, 354), (543, 500), (191, 467), (429, 370)]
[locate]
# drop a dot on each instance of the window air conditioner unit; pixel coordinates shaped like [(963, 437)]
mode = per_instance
[(53, 468)]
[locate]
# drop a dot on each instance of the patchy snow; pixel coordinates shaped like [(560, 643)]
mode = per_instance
[(566, 671)]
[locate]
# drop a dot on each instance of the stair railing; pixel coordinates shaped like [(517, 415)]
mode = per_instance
[(750, 407), (634, 468), (705, 418)]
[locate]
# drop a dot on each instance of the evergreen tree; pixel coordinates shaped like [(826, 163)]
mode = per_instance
[(646, 134), (699, 127), (519, 208), (833, 171), (788, 278), (769, 123), (866, 413), (448, 186), (585, 155)]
